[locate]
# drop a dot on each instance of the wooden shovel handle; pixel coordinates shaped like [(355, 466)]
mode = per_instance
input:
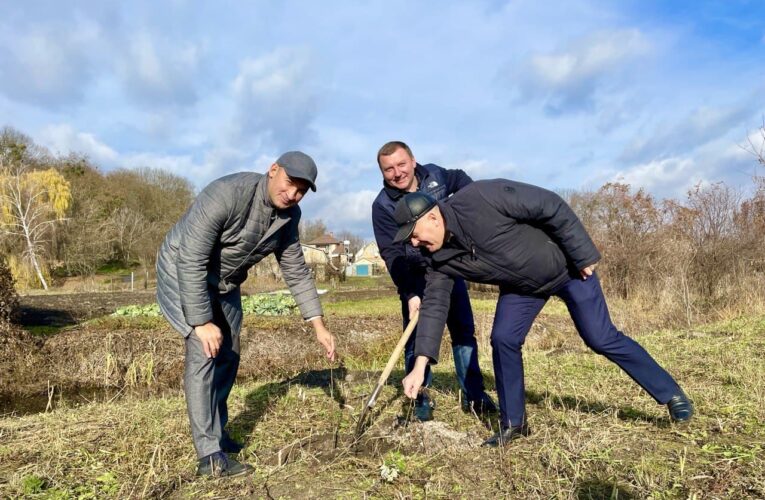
[(399, 347)]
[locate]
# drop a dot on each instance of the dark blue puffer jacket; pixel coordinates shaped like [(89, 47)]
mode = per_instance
[(405, 264)]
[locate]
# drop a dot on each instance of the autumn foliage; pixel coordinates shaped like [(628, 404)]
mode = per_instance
[(684, 258)]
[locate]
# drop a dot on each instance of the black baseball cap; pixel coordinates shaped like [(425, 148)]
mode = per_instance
[(408, 210), (299, 165)]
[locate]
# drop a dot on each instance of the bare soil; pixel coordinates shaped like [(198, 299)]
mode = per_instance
[(146, 357), (72, 308)]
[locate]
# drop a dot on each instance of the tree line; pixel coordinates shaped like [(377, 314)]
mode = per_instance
[(61, 214), (682, 256)]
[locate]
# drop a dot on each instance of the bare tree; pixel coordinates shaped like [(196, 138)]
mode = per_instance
[(752, 146), (32, 200), (128, 227), (311, 229), (355, 241)]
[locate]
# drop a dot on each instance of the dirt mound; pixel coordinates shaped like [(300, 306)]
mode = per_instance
[(70, 309), (92, 355), (18, 360), (433, 436)]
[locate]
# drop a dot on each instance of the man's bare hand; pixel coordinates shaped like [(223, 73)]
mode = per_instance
[(324, 337), (211, 338), (416, 377), (414, 305), (587, 271)]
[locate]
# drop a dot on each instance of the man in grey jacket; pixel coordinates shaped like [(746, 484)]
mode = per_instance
[(234, 223)]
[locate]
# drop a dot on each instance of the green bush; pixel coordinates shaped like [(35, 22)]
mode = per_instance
[(263, 304), (134, 311)]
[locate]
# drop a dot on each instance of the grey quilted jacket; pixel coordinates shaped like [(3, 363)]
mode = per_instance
[(229, 228)]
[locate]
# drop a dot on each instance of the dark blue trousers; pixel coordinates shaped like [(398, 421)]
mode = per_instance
[(462, 331), (587, 306)]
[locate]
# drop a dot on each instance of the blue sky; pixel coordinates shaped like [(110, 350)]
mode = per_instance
[(566, 95)]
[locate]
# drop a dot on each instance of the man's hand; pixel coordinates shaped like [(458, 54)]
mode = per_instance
[(324, 337), (587, 271), (414, 305), (211, 338), (416, 377)]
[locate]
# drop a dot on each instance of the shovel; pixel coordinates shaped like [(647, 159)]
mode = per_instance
[(386, 373)]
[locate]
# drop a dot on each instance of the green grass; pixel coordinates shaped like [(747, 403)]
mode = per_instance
[(366, 282), (116, 268), (391, 305), (43, 330), (595, 433), (365, 307)]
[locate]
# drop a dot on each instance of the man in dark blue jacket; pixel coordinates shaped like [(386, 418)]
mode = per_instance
[(402, 174), (528, 241)]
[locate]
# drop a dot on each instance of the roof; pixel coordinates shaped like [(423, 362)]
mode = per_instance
[(324, 239)]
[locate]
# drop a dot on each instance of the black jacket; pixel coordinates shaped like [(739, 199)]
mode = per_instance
[(405, 264), (523, 238)]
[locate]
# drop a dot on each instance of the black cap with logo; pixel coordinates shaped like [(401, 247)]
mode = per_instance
[(408, 210)]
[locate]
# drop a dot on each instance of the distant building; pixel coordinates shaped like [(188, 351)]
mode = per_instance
[(367, 261), (326, 249), (326, 255)]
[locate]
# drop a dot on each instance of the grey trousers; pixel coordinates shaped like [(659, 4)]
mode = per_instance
[(208, 382)]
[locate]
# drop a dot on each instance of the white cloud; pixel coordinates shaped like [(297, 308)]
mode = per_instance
[(276, 101), (754, 144), (156, 71), (64, 139), (670, 174), (485, 169), (48, 65), (718, 161), (569, 79), (699, 127), (342, 209)]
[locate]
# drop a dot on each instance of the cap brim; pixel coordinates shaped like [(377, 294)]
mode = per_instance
[(404, 232), (291, 176)]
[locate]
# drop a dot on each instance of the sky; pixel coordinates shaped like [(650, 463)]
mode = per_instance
[(565, 95)]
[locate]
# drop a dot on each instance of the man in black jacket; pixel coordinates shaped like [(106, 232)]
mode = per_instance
[(528, 241), (402, 174)]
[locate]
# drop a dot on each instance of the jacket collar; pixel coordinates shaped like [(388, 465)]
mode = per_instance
[(457, 242), (395, 194)]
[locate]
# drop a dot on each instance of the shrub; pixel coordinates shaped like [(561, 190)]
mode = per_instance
[(262, 304), (9, 301)]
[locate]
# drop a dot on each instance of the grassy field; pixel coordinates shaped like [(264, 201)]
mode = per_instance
[(595, 433)]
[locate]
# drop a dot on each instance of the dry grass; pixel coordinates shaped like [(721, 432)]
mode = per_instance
[(595, 434)]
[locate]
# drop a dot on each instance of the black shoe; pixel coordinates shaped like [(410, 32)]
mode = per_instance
[(228, 445), (680, 408), (423, 408), (219, 465), (481, 406), (506, 435)]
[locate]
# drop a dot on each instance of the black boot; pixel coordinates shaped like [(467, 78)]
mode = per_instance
[(423, 407), (507, 434), (219, 465), (680, 407)]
